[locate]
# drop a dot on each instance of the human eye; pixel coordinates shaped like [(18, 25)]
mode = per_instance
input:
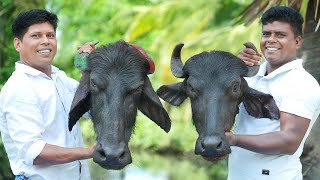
[(35, 35), (281, 35), (51, 35), (265, 34)]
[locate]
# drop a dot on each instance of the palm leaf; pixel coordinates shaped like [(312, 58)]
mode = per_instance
[(257, 7)]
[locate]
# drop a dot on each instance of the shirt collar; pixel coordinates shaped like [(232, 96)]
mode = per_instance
[(284, 68), (33, 72)]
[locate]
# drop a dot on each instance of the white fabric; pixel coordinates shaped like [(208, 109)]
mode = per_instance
[(295, 91), (34, 111)]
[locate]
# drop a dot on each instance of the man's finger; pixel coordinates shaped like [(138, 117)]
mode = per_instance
[(249, 51)]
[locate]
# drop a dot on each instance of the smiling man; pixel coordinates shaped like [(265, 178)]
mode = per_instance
[(271, 149), (34, 106), (37, 47)]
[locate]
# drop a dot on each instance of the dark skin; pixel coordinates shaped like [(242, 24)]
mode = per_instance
[(279, 45)]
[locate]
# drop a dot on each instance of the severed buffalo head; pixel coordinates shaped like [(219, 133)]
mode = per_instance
[(113, 86), (215, 85)]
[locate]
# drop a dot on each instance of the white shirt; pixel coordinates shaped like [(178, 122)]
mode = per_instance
[(295, 91), (34, 111)]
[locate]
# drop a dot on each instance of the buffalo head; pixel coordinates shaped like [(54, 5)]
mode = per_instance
[(215, 85), (113, 86)]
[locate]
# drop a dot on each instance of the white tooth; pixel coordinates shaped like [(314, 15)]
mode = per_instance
[(272, 49), (44, 51)]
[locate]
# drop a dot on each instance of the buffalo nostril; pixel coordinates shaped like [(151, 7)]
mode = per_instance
[(122, 155), (99, 154), (219, 145), (114, 153), (102, 153), (211, 142)]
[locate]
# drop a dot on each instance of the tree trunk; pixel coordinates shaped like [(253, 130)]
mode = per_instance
[(310, 52)]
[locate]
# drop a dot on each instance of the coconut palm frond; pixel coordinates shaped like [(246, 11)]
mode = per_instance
[(249, 11), (257, 14), (316, 9), (317, 27), (254, 6), (257, 7), (296, 4)]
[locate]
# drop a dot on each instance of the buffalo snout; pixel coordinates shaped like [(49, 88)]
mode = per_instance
[(112, 157), (212, 148)]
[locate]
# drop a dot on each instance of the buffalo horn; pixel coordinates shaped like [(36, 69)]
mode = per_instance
[(176, 63), (252, 70)]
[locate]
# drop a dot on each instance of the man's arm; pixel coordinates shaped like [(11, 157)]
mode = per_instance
[(51, 155), (285, 141)]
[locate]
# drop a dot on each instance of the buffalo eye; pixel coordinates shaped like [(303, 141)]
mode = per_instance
[(136, 90), (191, 87), (190, 91), (235, 87), (139, 89), (94, 85)]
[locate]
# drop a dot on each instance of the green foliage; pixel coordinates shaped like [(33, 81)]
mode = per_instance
[(5, 172), (5, 2)]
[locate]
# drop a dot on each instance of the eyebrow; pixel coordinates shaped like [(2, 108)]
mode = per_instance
[(39, 32), (277, 32), (42, 32)]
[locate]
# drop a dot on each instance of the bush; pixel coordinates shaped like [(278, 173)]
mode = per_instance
[(5, 171)]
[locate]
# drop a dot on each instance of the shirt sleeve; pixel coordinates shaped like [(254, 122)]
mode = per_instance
[(301, 99), (25, 124)]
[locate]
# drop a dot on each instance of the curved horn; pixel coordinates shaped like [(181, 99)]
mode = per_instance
[(252, 70), (176, 63)]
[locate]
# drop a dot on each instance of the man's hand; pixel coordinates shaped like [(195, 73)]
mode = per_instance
[(91, 149), (249, 56), (231, 138), (86, 48)]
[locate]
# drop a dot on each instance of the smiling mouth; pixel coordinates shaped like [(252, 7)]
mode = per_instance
[(272, 49), (45, 51)]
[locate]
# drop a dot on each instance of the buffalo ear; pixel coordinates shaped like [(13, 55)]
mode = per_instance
[(258, 104), (151, 106), (174, 94), (81, 101), (252, 70)]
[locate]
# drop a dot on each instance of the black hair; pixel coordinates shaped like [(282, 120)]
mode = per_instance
[(284, 14), (35, 16)]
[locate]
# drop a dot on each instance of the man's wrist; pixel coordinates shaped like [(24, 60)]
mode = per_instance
[(235, 140)]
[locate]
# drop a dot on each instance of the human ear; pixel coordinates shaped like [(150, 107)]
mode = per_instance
[(17, 44), (298, 41)]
